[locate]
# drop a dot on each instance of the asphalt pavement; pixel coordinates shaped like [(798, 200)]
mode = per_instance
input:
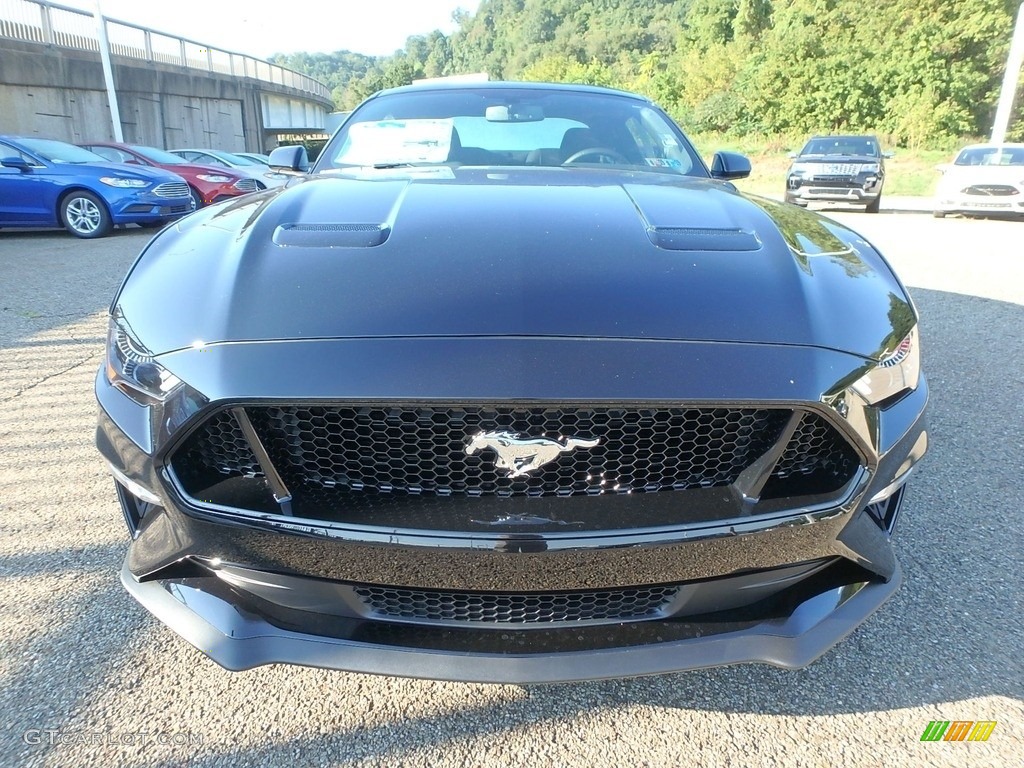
[(89, 679)]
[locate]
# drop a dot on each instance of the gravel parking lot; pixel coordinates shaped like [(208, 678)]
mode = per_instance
[(90, 679)]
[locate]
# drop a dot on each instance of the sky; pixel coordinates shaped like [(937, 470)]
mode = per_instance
[(373, 27)]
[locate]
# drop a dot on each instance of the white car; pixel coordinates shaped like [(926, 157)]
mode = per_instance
[(983, 180), (240, 165), (255, 157)]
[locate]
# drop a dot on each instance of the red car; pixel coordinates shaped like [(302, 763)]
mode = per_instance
[(206, 184)]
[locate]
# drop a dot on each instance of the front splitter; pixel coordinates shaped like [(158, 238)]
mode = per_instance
[(237, 640)]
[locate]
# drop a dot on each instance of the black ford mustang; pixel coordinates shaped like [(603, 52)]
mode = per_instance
[(511, 387)]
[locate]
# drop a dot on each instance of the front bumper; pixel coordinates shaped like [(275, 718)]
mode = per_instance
[(206, 614), (145, 207), (251, 589), (980, 205), (856, 191)]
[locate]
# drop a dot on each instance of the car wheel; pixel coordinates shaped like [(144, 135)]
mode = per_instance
[(874, 205), (197, 200), (939, 214), (83, 214)]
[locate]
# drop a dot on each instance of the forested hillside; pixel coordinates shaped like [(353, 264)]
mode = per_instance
[(918, 71)]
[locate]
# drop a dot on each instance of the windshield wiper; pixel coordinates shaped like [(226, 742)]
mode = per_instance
[(385, 166)]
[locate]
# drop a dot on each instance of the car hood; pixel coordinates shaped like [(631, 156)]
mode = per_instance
[(837, 159), (526, 253), (983, 174), (192, 169), (122, 170)]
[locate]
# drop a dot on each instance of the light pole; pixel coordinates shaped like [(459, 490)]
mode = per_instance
[(1013, 64), (108, 71)]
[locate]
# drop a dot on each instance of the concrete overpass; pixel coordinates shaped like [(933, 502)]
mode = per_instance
[(171, 91)]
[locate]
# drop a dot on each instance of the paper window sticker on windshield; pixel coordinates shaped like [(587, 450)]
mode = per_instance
[(663, 162), (398, 141)]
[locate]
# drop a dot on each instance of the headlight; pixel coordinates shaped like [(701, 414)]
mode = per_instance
[(870, 168), (131, 367), (275, 175), (897, 373), (213, 178), (799, 169), (118, 181)]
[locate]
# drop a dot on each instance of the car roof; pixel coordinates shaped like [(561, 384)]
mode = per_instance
[(118, 144), (13, 137), (501, 85)]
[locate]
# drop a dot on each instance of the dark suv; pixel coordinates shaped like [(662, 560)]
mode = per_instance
[(848, 169)]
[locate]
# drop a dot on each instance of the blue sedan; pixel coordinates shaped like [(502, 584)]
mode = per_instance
[(47, 183)]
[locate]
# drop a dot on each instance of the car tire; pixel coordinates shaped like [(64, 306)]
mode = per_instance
[(874, 206), (84, 215), (939, 214), (197, 199)]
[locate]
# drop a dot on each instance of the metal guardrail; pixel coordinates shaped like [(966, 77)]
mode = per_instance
[(40, 21)]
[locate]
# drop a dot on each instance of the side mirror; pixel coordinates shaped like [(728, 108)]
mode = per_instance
[(793, 155), (942, 168), (16, 162), (888, 155), (290, 159), (729, 165)]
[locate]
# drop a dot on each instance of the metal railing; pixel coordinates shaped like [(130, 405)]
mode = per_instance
[(40, 21)]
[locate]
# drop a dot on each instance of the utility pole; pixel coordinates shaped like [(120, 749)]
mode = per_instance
[(1013, 64), (108, 71)]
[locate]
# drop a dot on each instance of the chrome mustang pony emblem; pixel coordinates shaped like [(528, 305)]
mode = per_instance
[(521, 455)]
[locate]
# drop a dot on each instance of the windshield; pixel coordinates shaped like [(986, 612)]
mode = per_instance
[(842, 145), (59, 152), (158, 156), (510, 127), (991, 156)]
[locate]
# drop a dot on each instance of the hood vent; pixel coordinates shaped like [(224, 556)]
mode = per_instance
[(703, 239), (331, 235)]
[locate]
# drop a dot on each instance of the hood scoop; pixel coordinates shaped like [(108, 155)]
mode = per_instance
[(703, 239), (331, 235)]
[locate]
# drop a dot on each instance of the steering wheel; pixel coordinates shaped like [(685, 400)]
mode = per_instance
[(598, 152)]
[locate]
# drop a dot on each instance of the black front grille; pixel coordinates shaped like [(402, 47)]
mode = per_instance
[(991, 190), (816, 460), (222, 447), (497, 609), (422, 449), (387, 459)]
